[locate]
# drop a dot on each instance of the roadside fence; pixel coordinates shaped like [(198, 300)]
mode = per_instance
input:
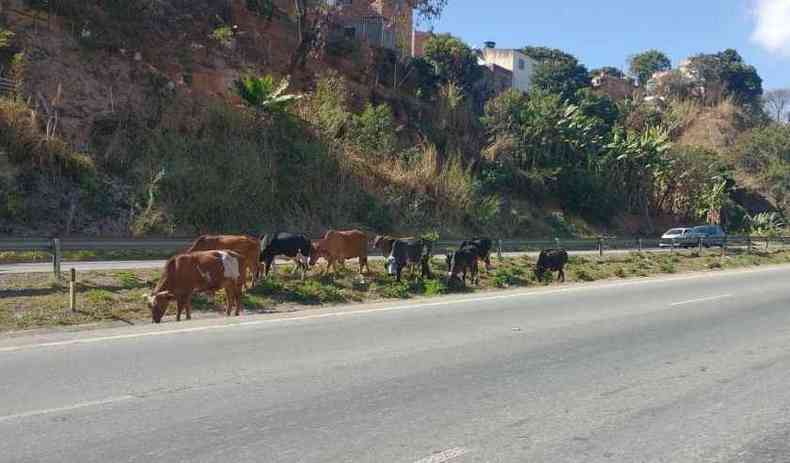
[(57, 246)]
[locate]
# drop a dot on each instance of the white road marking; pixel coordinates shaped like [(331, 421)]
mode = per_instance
[(67, 408), (444, 455), (522, 294), (704, 299)]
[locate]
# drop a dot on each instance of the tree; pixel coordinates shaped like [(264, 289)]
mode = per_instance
[(643, 65), (726, 74), (453, 60), (777, 104), (557, 72)]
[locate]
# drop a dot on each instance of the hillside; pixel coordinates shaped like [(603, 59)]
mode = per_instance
[(127, 119)]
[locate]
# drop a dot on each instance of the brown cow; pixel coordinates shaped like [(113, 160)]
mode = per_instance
[(249, 248), (197, 272), (339, 246)]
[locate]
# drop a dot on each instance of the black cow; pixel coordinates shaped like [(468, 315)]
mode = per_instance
[(462, 261), (410, 252), (294, 246), (553, 260), (483, 246)]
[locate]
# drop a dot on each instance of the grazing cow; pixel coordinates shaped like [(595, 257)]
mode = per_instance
[(462, 261), (483, 246), (384, 243), (553, 260), (197, 272), (249, 248), (410, 252), (295, 247), (339, 246)]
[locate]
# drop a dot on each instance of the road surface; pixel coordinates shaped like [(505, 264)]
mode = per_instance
[(46, 267), (680, 369)]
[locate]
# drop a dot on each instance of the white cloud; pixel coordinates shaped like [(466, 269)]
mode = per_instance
[(773, 25)]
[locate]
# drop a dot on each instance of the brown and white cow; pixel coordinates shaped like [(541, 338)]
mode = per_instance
[(341, 245), (197, 272), (249, 248)]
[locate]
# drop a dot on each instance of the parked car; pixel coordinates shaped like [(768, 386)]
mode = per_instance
[(673, 237), (711, 235)]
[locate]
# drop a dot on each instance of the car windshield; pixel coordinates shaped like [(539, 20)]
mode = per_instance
[(676, 231), (703, 229)]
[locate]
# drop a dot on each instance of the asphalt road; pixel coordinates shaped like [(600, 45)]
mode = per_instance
[(682, 369), (148, 264)]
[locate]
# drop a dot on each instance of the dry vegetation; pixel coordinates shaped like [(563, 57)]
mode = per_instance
[(38, 301)]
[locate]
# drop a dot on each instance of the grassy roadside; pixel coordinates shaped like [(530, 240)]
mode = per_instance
[(37, 300), (25, 257)]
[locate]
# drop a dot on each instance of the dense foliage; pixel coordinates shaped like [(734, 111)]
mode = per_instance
[(643, 65)]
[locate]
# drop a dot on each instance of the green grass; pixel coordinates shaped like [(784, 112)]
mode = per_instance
[(39, 300)]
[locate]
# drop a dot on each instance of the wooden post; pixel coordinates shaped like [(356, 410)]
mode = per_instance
[(499, 249), (748, 244), (57, 256), (699, 243), (73, 291), (600, 246)]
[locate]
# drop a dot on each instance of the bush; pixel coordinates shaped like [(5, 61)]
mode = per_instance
[(373, 131)]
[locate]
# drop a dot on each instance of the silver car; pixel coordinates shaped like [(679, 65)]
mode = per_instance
[(674, 237)]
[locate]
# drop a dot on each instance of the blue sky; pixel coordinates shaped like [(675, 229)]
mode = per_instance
[(606, 32)]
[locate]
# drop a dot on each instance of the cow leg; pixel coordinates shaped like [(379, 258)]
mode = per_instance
[(363, 262), (179, 307), (189, 309), (562, 275), (488, 262)]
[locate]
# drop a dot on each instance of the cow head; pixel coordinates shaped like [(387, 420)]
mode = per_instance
[(376, 241), (158, 303), (316, 252), (392, 265)]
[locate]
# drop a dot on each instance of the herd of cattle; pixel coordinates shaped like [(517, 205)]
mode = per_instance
[(224, 262)]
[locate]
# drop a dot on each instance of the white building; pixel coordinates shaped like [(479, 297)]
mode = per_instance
[(521, 65)]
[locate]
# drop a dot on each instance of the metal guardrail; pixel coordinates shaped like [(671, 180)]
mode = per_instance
[(56, 246)]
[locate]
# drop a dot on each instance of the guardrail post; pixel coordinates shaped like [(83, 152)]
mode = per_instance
[(499, 249), (639, 244), (557, 241), (699, 244), (767, 242), (600, 246), (57, 256), (73, 291), (724, 247), (749, 244)]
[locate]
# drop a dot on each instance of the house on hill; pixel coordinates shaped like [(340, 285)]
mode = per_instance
[(508, 67), (381, 23)]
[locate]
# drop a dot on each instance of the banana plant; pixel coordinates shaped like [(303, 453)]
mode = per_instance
[(265, 93)]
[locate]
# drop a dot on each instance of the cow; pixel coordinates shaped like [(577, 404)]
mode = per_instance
[(296, 247), (197, 272), (384, 243), (249, 248), (339, 246), (462, 261), (483, 246), (553, 260), (409, 252)]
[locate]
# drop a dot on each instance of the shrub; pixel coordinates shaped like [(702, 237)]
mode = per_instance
[(507, 277), (584, 274), (435, 288), (374, 130), (620, 272)]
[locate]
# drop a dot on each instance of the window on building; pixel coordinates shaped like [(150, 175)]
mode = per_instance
[(345, 2), (350, 32), (521, 64)]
